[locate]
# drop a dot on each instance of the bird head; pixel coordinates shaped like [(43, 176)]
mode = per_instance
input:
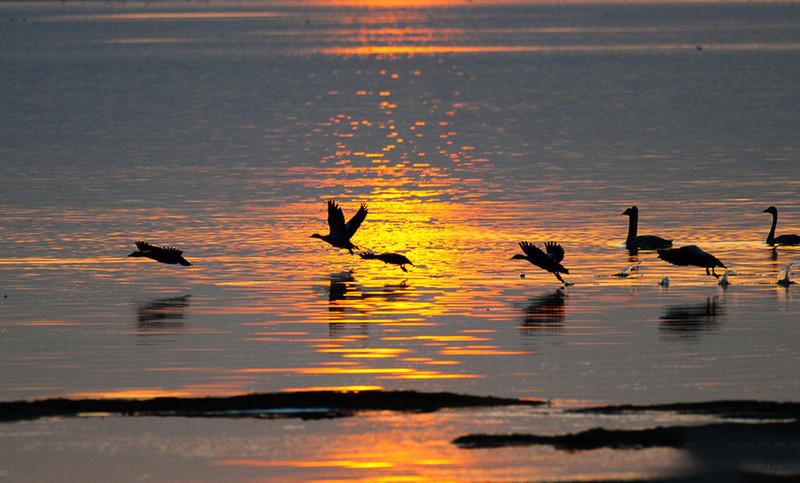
[(316, 235), (519, 257), (772, 210), (631, 211), (136, 254)]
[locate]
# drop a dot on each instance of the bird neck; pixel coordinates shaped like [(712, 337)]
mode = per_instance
[(771, 236), (633, 227)]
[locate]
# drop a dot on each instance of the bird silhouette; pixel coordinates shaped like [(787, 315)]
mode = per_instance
[(783, 239), (691, 255), (392, 258), (549, 260), (169, 255), (340, 232), (644, 242), (785, 275)]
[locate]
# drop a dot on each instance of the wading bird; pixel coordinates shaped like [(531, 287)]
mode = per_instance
[(691, 255), (783, 239), (644, 242), (340, 232), (549, 260), (392, 258), (168, 255)]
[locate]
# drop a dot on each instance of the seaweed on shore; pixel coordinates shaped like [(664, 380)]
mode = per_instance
[(306, 405)]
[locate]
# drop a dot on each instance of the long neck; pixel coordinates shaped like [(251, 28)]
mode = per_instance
[(771, 236), (633, 226)]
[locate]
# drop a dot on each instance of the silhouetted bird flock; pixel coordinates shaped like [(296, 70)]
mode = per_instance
[(549, 259)]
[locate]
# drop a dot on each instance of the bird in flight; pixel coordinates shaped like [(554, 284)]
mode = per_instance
[(691, 255), (549, 260), (169, 255), (391, 258), (339, 232)]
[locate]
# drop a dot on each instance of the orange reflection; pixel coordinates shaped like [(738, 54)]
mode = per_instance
[(333, 388)]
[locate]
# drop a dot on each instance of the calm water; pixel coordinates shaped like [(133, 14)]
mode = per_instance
[(221, 128)]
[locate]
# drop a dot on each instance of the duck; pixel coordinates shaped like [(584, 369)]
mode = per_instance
[(168, 255), (340, 232), (549, 259), (691, 255), (644, 242), (391, 258), (779, 240)]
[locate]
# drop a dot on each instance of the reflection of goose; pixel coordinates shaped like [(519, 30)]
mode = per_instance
[(691, 255), (162, 314), (340, 232), (785, 275), (545, 313), (550, 261), (689, 319), (168, 255), (391, 258), (723, 281), (783, 239), (338, 286), (645, 242)]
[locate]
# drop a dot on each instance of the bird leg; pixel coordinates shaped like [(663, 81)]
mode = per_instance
[(403, 268), (713, 273), (558, 276)]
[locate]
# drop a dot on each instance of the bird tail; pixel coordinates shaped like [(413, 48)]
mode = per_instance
[(184, 262)]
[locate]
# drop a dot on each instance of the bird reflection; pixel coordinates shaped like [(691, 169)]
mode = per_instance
[(544, 314), (338, 286), (692, 319), (162, 314), (349, 301)]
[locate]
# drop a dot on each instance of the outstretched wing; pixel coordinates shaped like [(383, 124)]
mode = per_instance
[(356, 220), (172, 251), (336, 220), (532, 251), (143, 246), (554, 251)]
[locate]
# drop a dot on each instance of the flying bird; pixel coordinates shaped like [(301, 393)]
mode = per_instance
[(169, 255), (549, 260), (691, 255), (645, 242), (391, 258), (783, 239), (340, 232)]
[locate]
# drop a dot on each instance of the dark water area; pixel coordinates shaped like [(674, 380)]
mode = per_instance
[(222, 128)]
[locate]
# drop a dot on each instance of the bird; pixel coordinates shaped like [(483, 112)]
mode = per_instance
[(393, 258), (691, 255), (169, 255), (627, 272), (340, 232), (785, 275), (664, 282), (549, 260), (723, 281), (645, 242), (779, 240)]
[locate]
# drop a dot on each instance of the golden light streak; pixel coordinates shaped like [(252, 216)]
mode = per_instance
[(333, 388)]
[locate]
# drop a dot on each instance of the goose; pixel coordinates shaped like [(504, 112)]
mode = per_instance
[(645, 242), (723, 281), (169, 255), (691, 255), (549, 260), (785, 275), (783, 239), (340, 233), (392, 258)]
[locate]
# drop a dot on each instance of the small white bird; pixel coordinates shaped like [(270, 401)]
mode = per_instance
[(723, 281), (627, 272), (664, 282), (785, 275)]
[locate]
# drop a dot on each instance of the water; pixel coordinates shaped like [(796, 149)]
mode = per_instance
[(222, 128)]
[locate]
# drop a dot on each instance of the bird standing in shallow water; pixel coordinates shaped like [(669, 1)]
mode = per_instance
[(644, 242), (169, 255), (340, 232), (691, 255), (549, 260), (779, 240), (392, 258)]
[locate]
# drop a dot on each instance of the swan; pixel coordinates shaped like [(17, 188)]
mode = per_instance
[(645, 242), (392, 258), (169, 255), (549, 260), (691, 255), (783, 239), (340, 233)]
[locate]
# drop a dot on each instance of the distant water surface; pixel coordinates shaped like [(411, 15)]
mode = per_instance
[(222, 128)]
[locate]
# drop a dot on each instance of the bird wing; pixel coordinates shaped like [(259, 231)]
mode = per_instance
[(532, 251), (336, 220), (554, 251), (356, 220), (143, 246), (172, 250)]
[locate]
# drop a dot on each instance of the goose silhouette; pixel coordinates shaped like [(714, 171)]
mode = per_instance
[(782, 239), (339, 232)]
